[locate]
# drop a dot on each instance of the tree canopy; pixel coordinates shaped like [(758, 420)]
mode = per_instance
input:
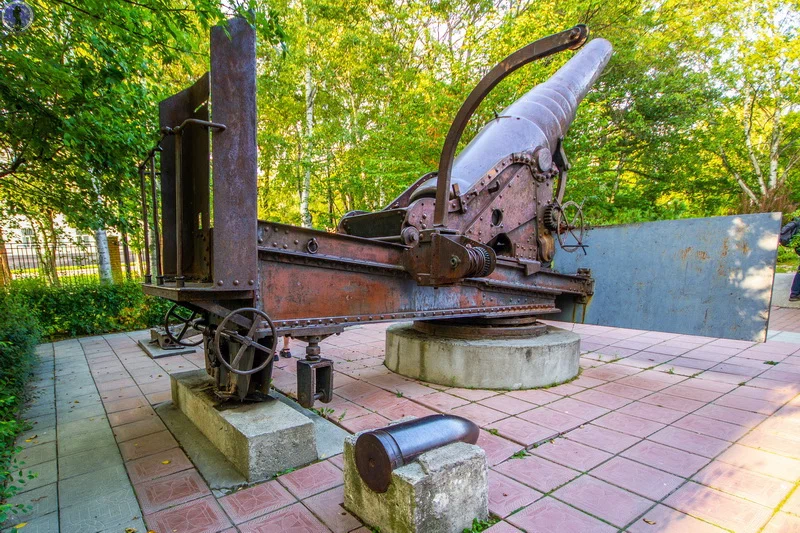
[(696, 114)]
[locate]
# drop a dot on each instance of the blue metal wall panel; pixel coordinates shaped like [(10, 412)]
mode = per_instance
[(704, 276)]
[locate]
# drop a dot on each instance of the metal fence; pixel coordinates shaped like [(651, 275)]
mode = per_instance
[(66, 263)]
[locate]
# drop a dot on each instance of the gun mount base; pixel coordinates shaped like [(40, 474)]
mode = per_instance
[(503, 363)]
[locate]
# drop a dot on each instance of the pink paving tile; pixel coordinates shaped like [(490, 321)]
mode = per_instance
[(748, 404), (571, 454), (602, 438), (328, 507), (113, 406), (157, 465), (549, 515), (379, 400), (544, 416), (121, 394), (692, 393), (743, 483), (497, 448), (147, 445), (712, 428), (134, 430), (506, 404), (507, 495), (711, 385), (312, 479), (638, 478), (159, 397), (690, 441), (441, 401), (337, 461), (663, 519), (522, 432), (685, 405), (502, 527), (108, 386), (406, 408), (131, 415), (345, 409), (671, 460), (638, 427), (719, 508), (472, 395), (171, 490), (293, 519), (792, 504), (584, 411), (534, 396), (483, 416), (249, 503), (783, 523), (731, 415), (603, 500), (603, 399), (608, 372), (762, 462), (370, 421), (587, 382), (662, 415), (566, 389), (198, 516), (537, 472), (618, 389), (772, 442)]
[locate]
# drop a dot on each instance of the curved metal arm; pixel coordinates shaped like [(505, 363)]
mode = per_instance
[(571, 39)]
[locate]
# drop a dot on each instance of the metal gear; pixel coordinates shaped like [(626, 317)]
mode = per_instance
[(549, 218)]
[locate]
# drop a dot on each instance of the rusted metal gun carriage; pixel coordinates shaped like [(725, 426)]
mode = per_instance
[(471, 241)]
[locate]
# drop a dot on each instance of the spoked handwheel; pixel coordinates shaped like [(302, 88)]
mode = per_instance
[(228, 330), (570, 227), (183, 318)]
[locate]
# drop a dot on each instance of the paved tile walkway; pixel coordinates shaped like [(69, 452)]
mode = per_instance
[(660, 433)]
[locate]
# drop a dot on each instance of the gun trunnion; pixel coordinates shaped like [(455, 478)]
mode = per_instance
[(472, 243)]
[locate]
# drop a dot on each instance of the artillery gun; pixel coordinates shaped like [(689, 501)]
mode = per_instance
[(467, 249)]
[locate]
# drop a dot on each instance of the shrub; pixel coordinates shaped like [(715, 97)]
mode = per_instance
[(20, 332), (90, 308)]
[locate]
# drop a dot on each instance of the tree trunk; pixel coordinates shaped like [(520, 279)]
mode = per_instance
[(305, 215), (5, 269), (103, 256)]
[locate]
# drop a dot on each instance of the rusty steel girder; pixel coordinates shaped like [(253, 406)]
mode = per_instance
[(474, 241)]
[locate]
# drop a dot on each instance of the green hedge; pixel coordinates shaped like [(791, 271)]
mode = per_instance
[(20, 332), (90, 308)]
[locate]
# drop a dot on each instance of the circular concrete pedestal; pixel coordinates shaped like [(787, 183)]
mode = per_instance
[(509, 363)]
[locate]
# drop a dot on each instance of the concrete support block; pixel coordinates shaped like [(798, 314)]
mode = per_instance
[(259, 439), (507, 364), (442, 491)]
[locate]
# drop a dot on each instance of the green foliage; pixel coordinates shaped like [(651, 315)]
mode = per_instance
[(90, 308), (19, 334), (482, 525)]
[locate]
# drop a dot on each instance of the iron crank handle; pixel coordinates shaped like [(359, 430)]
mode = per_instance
[(570, 39)]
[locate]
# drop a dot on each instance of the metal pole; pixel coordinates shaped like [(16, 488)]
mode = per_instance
[(157, 244), (179, 279), (148, 277)]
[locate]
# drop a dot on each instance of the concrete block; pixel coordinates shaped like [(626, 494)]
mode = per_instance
[(506, 364), (260, 439), (442, 491)]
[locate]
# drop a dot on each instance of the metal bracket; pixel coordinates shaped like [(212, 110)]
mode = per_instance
[(314, 381)]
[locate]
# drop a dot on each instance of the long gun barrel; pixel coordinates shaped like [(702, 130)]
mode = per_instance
[(538, 119)]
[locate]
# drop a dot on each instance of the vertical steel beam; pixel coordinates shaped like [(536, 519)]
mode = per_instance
[(233, 92), (179, 278)]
